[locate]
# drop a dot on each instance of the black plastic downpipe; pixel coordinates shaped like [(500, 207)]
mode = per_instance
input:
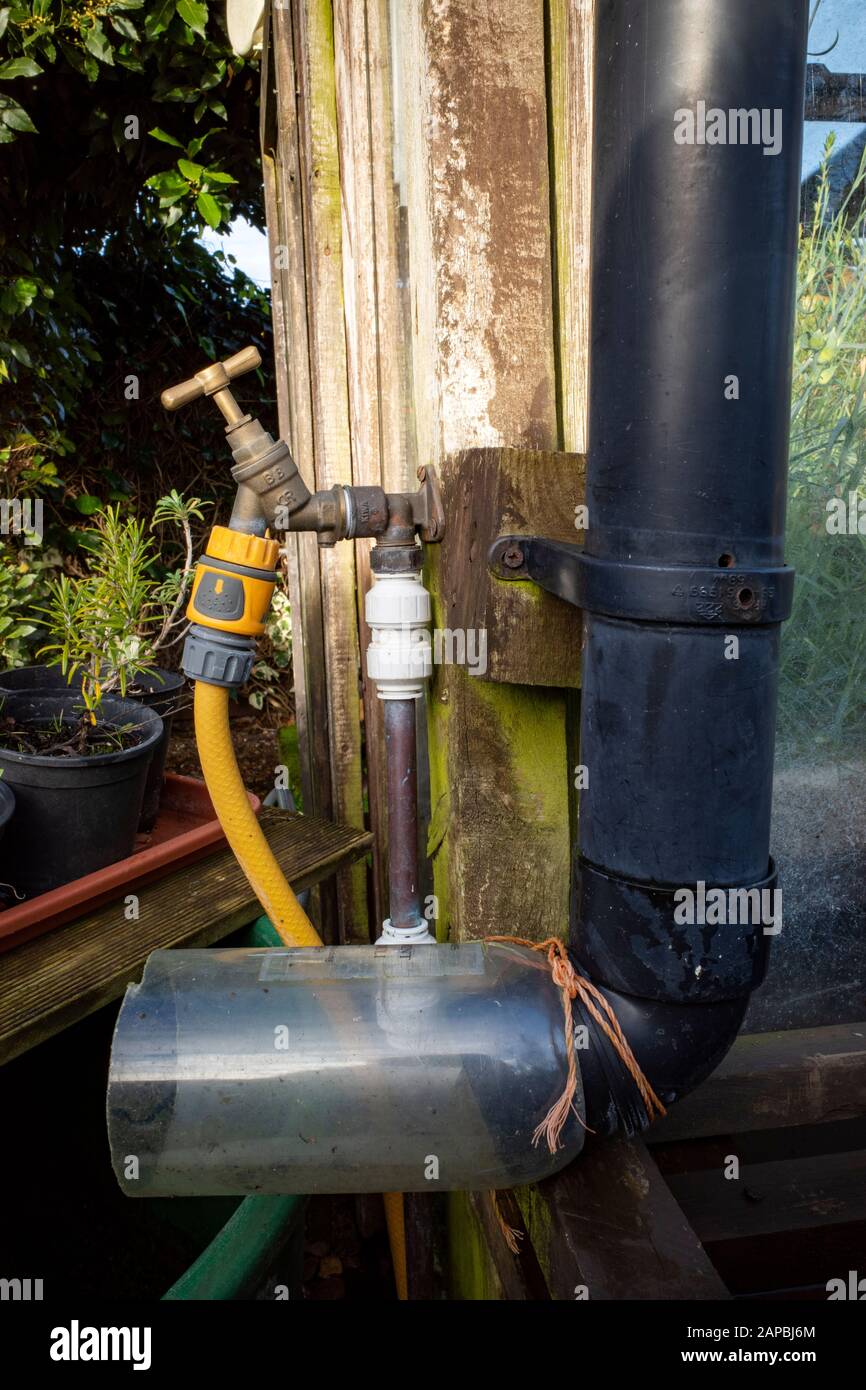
[(693, 284)]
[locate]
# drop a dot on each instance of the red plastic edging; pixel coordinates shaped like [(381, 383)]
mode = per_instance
[(186, 830)]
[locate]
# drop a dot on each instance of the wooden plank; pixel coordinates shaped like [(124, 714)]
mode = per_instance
[(374, 330), (478, 229), (53, 981), (607, 1227), (477, 174), (282, 186), (773, 1080), (319, 166), (790, 1263), (362, 352), (834, 96), (795, 1194), (420, 1230), (570, 25), (527, 636), (508, 1270), (473, 1272), (570, 54)]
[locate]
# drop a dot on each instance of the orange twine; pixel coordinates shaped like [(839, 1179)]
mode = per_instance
[(511, 1237), (572, 985)]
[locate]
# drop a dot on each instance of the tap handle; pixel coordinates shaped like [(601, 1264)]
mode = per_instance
[(211, 379)]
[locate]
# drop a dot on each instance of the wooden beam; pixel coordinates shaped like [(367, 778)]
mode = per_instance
[(474, 1273), (319, 169), (794, 1194), (524, 635), (775, 1080), (479, 260), (375, 345), (54, 980), (283, 206), (607, 1227), (570, 43), (508, 1270)]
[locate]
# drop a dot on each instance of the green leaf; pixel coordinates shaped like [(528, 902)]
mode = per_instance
[(159, 18), (4, 20), (19, 67), (96, 42), (218, 109), (124, 26), (195, 145), (209, 209), (194, 14), (217, 176), (159, 134), (190, 171), (14, 117), (25, 291), (214, 77), (168, 184), (20, 353), (87, 504), (177, 94)]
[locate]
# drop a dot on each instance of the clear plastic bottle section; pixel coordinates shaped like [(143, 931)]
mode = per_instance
[(344, 1069)]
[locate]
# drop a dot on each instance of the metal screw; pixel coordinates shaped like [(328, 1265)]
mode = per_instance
[(513, 557)]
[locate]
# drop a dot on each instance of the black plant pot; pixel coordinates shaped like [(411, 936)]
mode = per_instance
[(73, 815), (160, 691), (7, 806)]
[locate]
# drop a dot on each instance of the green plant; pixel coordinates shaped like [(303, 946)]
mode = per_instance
[(823, 672), (106, 292), (268, 685), (24, 585), (107, 626)]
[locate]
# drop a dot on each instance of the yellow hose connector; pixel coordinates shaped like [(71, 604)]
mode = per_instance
[(234, 582)]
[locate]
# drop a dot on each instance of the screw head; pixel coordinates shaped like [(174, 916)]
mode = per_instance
[(513, 557)]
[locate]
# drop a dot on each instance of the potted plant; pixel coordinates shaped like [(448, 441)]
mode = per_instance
[(107, 627), (78, 771)]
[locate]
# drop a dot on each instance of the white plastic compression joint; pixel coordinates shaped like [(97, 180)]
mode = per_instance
[(400, 654)]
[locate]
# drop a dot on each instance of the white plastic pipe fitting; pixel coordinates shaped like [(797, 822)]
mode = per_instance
[(400, 654)]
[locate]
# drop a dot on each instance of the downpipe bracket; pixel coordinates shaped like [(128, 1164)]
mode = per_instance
[(727, 595)]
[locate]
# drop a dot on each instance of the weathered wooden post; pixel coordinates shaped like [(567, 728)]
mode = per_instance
[(430, 187)]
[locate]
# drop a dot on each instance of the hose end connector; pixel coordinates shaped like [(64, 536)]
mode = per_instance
[(217, 658), (231, 594)]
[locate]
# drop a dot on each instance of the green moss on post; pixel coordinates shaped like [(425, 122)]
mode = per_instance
[(471, 1272)]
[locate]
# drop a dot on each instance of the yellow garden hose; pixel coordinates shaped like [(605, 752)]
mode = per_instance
[(255, 856), (238, 820)]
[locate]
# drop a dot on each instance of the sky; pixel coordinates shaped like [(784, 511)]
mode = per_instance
[(248, 244), (840, 23)]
